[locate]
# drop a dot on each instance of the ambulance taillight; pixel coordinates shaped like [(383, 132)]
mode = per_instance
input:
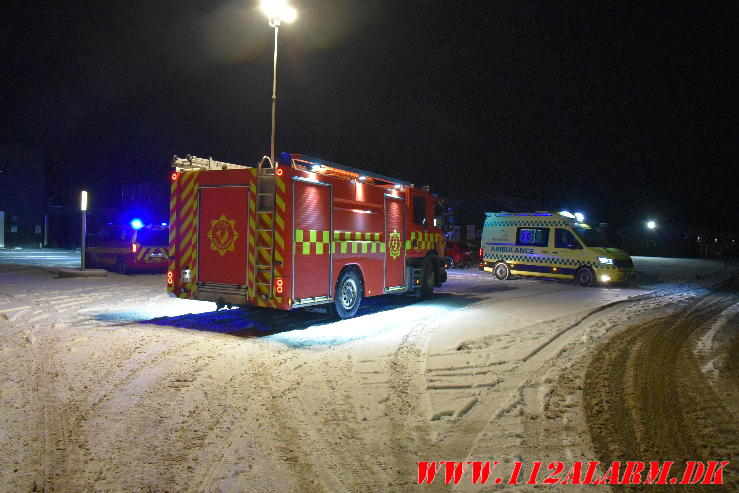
[(170, 277)]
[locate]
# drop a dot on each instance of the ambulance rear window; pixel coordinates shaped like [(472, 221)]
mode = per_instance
[(533, 237), (153, 237)]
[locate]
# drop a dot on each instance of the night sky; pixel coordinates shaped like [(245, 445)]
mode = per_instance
[(622, 110)]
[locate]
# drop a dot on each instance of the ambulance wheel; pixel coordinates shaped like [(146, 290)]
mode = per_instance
[(120, 266), (348, 294), (502, 271), (585, 277)]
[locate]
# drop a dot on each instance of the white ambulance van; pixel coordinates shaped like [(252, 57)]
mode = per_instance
[(550, 244)]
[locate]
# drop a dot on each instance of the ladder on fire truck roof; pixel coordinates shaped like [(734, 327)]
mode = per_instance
[(265, 230), (191, 163)]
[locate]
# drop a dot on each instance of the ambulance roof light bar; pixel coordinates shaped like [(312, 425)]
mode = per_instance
[(308, 160)]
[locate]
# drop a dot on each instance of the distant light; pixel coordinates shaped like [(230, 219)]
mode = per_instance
[(605, 278), (567, 214), (164, 224), (580, 217), (83, 201), (137, 224), (278, 10), (651, 224)]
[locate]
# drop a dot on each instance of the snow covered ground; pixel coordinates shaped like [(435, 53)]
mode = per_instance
[(108, 384)]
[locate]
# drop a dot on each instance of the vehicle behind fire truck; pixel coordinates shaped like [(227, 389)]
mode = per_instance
[(126, 249), (303, 232)]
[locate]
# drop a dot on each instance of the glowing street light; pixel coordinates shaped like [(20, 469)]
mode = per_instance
[(651, 224), (276, 11)]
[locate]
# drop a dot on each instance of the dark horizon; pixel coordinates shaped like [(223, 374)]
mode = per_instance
[(621, 111)]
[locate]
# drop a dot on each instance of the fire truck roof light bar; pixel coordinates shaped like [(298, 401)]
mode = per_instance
[(359, 172)]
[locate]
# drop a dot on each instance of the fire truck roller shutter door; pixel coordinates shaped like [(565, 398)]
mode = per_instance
[(312, 240)]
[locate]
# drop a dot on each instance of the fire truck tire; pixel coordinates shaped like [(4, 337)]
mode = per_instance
[(348, 294), (585, 277), (448, 263), (120, 266), (428, 279), (502, 271)]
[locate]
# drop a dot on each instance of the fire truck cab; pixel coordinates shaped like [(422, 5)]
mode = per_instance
[(302, 232)]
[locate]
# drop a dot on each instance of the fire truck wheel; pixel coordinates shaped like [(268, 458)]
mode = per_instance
[(502, 271), (428, 279), (585, 277), (120, 266), (348, 294)]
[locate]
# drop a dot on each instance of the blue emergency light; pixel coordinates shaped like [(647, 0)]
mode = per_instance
[(137, 224)]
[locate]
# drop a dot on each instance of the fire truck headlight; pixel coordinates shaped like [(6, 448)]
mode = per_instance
[(186, 275), (605, 260)]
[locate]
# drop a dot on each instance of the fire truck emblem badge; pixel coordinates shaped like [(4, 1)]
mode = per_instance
[(394, 244), (223, 235)]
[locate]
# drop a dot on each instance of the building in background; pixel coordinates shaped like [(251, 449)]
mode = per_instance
[(22, 197)]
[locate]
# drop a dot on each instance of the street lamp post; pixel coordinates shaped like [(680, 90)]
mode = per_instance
[(83, 208), (277, 11)]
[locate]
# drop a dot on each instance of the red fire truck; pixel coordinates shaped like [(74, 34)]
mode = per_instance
[(302, 232)]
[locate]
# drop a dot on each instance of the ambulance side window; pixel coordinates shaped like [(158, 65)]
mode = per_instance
[(565, 239), (419, 210), (538, 237)]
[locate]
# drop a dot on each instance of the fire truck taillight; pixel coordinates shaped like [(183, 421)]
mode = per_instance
[(175, 175), (170, 277), (279, 284), (279, 171), (134, 247)]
